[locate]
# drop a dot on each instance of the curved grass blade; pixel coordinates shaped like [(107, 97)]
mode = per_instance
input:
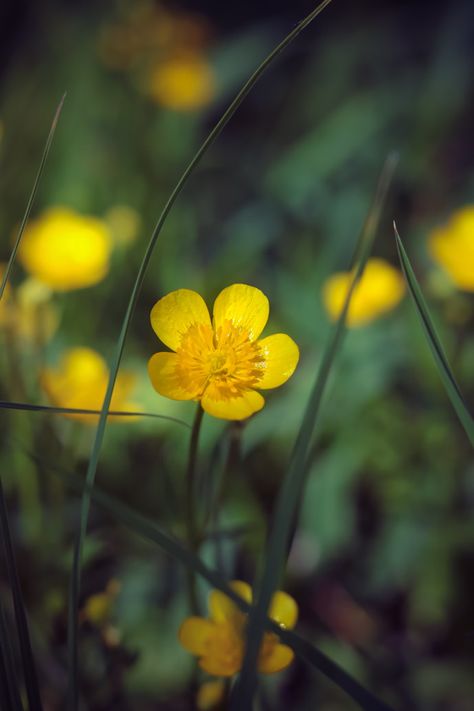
[(96, 447), (291, 491), (7, 405), (9, 688), (447, 376), (171, 546), (31, 199), (29, 669)]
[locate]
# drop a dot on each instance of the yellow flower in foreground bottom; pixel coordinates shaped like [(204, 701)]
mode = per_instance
[(65, 250), (379, 290), (80, 382), (219, 362), (182, 83), (452, 247), (219, 641)]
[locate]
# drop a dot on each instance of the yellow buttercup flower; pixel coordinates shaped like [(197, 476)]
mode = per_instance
[(452, 247), (66, 250), (80, 381), (378, 291), (221, 362), (182, 83), (219, 641)]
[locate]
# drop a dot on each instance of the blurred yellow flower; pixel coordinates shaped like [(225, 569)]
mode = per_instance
[(452, 247), (98, 608), (210, 695), (379, 290), (182, 83), (148, 31), (66, 250), (123, 223), (219, 362), (219, 641), (80, 381)]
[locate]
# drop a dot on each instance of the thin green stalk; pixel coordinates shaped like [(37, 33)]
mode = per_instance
[(29, 669), (291, 490), (31, 199), (447, 376), (26, 406), (190, 505), (9, 687), (96, 448)]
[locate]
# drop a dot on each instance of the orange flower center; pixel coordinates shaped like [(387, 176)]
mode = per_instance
[(225, 357)]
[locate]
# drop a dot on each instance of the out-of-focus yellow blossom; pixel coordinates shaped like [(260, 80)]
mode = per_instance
[(80, 381), (219, 641), (98, 608), (66, 250), (452, 247), (183, 83), (124, 223), (221, 362), (379, 290), (210, 695)]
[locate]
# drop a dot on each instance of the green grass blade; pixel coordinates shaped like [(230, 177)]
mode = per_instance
[(29, 669), (291, 491), (96, 447), (7, 405), (31, 199), (9, 688), (171, 546), (447, 376)]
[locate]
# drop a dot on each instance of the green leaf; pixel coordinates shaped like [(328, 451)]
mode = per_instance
[(447, 376), (97, 445), (6, 405), (291, 491)]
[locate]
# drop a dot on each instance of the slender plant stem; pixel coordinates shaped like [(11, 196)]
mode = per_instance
[(190, 504)]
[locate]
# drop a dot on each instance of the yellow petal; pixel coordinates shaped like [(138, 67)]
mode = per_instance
[(217, 666), (195, 633), (222, 608), (165, 379), (237, 408), (279, 658), (283, 609), (172, 315), (243, 305), (281, 358)]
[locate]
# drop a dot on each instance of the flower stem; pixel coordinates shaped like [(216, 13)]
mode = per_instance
[(190, 503)]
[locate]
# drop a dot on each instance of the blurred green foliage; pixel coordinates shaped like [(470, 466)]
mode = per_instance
[(382, 564)]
